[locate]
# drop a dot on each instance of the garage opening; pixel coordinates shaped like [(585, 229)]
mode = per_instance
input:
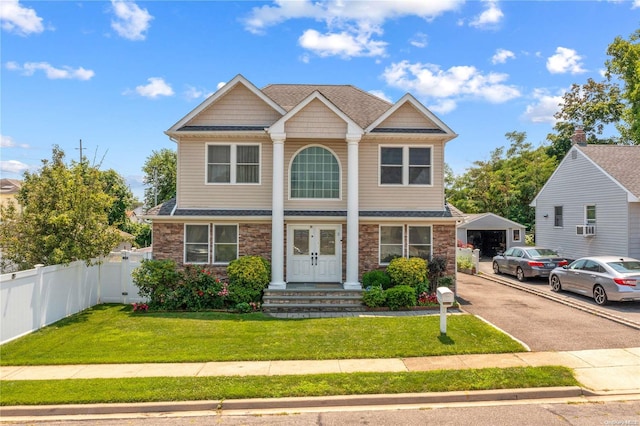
[(488, 242)]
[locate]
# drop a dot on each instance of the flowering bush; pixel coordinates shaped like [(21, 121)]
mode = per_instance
[(427, 299), (142, 307)]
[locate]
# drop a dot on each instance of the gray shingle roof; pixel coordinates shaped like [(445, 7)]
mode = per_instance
[(362, 107), (619, 161)]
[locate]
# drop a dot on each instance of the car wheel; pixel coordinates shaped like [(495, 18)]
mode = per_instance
[(520, 274), (599, 295), (555, 283), (496, 268)]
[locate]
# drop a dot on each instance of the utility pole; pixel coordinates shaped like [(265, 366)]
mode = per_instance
[(80, 151), (155, 186)]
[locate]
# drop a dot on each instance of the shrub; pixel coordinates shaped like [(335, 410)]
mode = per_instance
[(201, 289), (411, 272), (437, 268), (448, 282), (376, 277), (401, 296), (374, 296), (248, 277), (243, 307), (156, 280), (464, 263)]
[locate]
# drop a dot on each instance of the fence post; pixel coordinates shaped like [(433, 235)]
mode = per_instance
[(475, 257), (38, 293), (124, 271)]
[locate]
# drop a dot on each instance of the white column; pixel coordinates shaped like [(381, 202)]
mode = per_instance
[(352, 213), (277, 213)]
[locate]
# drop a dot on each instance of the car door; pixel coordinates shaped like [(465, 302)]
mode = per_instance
[(572, 276), (586, 277), (502, 260), (513, 261)]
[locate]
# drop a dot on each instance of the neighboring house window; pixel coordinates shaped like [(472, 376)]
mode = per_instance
[(233, 163), (405, 165), (590, 215), (315, 173), (391, 243), (516, 235), (224, 248), (420, 241), (557, 216), (196, 244), (225, 243)]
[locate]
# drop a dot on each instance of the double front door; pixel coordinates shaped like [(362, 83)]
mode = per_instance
[(314, 253)]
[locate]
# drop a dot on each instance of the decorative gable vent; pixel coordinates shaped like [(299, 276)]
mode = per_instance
[(586, 230)]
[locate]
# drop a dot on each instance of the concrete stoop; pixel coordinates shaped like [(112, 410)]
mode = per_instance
[(297, 300)]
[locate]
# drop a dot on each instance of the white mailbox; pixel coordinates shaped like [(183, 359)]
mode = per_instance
[(445, 296)]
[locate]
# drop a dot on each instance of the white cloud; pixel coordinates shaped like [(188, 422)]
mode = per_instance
[(131, 22), (491, 16), (350, 25), (221, 85), (636, 3), (501, 56), (544, 108), (448, 87), (341, 44), (156, 87), (9, 142), (19, 19), (194, 93), (565, 60), (443, 106), (381, 95), (13, 166), (420, 40), (53, 73)]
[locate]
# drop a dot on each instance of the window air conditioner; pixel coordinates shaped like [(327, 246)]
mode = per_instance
[(586, 230)]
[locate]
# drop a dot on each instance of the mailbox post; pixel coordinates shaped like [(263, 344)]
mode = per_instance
[(445, 299)]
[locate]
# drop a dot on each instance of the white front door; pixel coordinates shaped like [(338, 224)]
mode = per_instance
[(314, 253)]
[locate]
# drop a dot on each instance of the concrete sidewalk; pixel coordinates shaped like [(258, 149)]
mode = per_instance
[(602, 371)]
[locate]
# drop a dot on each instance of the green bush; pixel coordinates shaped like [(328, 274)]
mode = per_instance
[(248, 277), (374, 296), (376, 277), (156, 280), (411, 272), (448, 281), (401, 297), (464, 263)]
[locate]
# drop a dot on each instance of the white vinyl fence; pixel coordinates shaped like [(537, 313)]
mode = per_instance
[(472, 254), (32, 299)]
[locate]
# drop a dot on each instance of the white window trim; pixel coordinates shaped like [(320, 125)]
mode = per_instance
[(213, 242), (391, 225), (405, 166), (554, 217), (233, 163), (340, 174), (184, 244), (513, 233), (409, 226), (595, 210)]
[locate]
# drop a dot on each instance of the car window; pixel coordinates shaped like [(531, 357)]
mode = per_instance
[(625, 267), (517, 253), (541, 252), (509, 252), (592, 266), (578, 264)]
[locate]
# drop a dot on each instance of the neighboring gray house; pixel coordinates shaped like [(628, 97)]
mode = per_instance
[(591, 204), (490, 233)]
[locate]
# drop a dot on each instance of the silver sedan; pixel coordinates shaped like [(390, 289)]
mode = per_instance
[(604, 278), (527, 262)]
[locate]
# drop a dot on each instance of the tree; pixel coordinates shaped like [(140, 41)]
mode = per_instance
[(123, 199), (160, 175), (505, 184), (63, 216)]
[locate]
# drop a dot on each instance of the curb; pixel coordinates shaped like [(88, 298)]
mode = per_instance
[(297, 403)]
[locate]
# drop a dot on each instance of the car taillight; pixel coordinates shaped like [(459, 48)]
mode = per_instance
[(536, 264), (562, 263), (625, 281)]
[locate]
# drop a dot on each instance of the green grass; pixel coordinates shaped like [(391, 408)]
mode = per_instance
[(42, 392), (114, 334)]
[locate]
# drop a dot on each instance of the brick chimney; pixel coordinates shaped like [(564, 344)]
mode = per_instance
[(579, 136)]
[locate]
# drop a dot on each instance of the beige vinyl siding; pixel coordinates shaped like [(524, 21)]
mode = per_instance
[(408, 117), (193, 192), (316, 121), (376, 197), (339, 149), (238, 107)]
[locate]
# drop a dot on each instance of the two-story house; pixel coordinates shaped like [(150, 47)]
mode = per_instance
[(590, 205), (325, 181)]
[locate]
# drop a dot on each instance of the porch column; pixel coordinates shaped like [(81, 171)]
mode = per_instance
[(353, 239), (277, 213)]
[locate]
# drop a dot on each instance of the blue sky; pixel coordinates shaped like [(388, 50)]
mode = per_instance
[(118, 74)]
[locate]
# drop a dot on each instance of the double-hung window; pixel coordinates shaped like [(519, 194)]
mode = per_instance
[(391, 243), (590, 215), (557, 216), (233, 163), (394, 244), (420, 242), (405, 165), (199, 249)]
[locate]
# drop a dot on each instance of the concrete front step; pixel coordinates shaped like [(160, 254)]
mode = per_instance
[(312, 300)]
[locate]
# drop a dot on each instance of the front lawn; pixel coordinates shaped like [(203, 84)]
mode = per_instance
[(115, 334), (150, 389)]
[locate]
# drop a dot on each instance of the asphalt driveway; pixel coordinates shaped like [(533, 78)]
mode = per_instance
[(542, 324)]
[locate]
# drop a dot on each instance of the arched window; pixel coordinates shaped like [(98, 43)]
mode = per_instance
[(315, 173)]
